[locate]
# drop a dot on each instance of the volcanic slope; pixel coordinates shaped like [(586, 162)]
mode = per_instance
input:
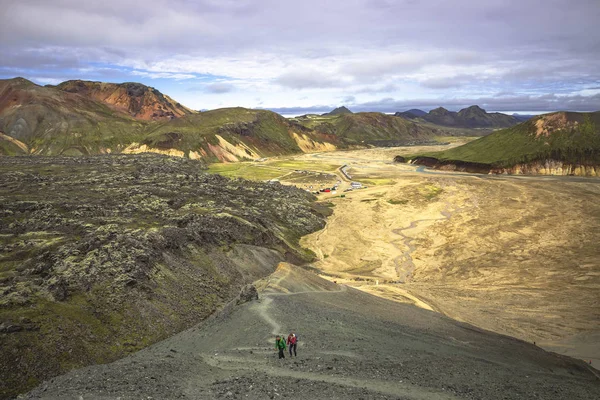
[(233, 134), (352, 345), (86, 118), (140, 101), (563, 143), (102, 256)]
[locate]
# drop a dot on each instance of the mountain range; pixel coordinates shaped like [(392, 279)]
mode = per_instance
[(86, 118), (470, 117)]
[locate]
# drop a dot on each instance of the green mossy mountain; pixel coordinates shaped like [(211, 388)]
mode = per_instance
[(369, 128), (101, 256), (338, 111), (255, 133), (569, 138)]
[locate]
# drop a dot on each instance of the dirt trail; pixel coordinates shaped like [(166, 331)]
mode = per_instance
[(343, 353), (375, 386)]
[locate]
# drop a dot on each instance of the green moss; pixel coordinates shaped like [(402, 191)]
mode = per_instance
[(378, 181), (398, 201), (430, 192)]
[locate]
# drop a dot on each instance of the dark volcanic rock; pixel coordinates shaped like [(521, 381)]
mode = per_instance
[(248, 293), (338, 111), (102, 256)]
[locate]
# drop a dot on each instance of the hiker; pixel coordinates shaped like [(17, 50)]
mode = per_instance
[(292, 342), (280, 345)]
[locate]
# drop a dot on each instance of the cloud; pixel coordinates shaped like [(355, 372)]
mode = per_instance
[(369, 49), (543, 103), (301, 110), (163, 75), (219, 87), (308, 79), (448, 81)]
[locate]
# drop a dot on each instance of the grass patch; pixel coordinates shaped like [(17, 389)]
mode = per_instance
[(378, 181), (455, 139), (246, 171), (430, 192), (397, 201), (305, 165)]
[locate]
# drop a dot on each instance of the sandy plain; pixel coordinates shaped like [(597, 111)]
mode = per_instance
[(517, 255)]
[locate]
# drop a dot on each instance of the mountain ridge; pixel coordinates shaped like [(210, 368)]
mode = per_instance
[(561, 143), (470, 117), (140, 101), (338, 111), (86, 118)]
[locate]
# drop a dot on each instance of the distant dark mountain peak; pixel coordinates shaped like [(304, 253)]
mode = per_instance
[(475, 108), (411, 114), (439, 111), (472, 112), (470, 117), (338, 111), (416, 111)]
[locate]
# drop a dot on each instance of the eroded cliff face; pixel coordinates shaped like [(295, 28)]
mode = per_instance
[(549, 167)]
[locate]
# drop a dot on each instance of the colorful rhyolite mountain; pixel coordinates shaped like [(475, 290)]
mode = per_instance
[(84, 118), (140, 101)]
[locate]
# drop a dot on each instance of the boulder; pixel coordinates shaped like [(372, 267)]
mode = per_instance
[(248, 293)]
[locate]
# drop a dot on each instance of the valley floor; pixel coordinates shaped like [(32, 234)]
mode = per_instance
[(351, 346), (515, 255), (481, 257)]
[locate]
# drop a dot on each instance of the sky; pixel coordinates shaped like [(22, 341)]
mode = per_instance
[(296, 57)]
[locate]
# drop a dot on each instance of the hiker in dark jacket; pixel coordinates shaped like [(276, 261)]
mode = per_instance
[(280, 345), (292, 341)]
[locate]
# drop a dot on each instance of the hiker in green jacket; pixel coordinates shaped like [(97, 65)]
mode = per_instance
[(280, 345)]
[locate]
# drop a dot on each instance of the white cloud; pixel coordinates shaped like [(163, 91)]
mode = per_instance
[(273, 49)]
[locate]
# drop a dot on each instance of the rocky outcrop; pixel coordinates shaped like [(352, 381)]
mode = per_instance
[(546, 167), (248, 293), (448, 165), (550, 167)]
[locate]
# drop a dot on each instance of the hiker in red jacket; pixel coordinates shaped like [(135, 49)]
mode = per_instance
[(292, 341)]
